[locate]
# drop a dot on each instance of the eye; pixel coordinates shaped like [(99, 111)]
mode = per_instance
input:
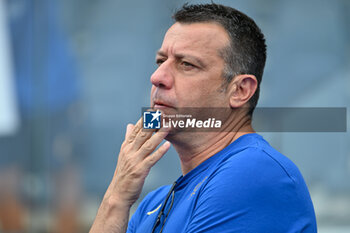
[(187, 66), (159, 61), (187, 63)]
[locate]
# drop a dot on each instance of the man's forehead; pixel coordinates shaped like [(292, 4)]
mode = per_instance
[(195, 35)]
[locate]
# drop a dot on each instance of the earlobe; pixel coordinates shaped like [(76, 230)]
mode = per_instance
[(233, 92), (233, 101)]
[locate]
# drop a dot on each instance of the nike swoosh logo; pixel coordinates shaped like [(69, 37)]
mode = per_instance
[(151, 212)]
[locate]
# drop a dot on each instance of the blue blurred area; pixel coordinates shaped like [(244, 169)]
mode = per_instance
[(45, 69), (83, 70)]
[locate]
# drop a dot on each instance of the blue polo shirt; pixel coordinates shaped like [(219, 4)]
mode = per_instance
[(246, 187)]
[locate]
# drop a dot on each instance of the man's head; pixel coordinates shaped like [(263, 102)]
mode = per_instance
[(209, 50), (246, 53)]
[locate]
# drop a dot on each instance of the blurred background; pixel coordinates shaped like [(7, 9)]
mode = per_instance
[(74, 73)]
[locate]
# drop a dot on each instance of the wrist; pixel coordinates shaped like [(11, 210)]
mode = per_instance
[(116, 203), (112, 216)]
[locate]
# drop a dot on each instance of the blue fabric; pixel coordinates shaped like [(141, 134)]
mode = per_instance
[(45, 68), (247, 187)]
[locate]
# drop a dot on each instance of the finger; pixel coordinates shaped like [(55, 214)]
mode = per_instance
[(157, 155), (151, 144), (142, 137), (135, 131), (129, 129)]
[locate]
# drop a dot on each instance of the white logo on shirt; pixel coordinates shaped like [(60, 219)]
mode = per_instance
[(155, 210)]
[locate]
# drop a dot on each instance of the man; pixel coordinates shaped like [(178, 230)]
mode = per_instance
[(233, 180)]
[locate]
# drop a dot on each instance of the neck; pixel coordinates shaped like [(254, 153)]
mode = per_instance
[(196, 147)]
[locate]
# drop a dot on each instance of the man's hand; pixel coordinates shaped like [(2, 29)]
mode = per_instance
[(134, 164)]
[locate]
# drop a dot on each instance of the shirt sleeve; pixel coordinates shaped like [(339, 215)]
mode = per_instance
[(252, 193)]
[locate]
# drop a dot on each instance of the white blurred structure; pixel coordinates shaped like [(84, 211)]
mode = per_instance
[(9, 119)]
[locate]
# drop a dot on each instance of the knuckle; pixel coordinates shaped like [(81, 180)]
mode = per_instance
[(135, 174), (148, 146), (151, 161), (131, 138), (138, 173)]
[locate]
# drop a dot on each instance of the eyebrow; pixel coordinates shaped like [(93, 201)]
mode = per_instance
[(181, 55)]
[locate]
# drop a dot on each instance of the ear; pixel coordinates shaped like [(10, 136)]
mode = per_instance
[(242, 89)]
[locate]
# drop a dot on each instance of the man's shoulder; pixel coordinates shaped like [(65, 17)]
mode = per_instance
[(258, 187), (255, 167), (259, 157)]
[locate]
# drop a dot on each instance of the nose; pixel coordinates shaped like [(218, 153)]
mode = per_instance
[(162, 76)]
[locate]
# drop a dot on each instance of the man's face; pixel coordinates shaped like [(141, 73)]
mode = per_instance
[(190, 68)]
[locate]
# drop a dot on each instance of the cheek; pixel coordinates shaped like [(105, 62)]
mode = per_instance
[(192, 94), (208, 95)]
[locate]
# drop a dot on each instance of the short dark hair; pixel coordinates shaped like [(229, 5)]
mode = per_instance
[(246, 53)]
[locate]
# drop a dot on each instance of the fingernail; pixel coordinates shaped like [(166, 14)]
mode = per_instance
[(167, 144)]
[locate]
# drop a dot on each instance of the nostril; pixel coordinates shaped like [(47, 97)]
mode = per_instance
[(162, 77), (158, 80)]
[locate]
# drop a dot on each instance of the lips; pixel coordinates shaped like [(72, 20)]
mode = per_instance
[(161, 104)]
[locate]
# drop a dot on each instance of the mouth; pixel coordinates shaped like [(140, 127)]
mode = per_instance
[(161, 105)]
